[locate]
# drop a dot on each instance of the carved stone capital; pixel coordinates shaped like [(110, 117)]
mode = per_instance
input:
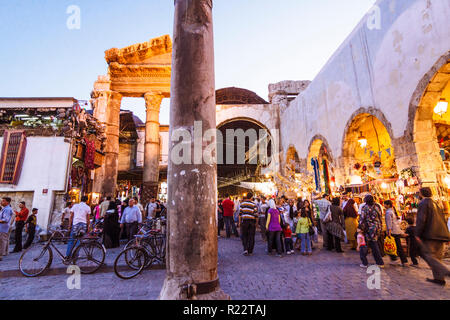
[(153, 100)]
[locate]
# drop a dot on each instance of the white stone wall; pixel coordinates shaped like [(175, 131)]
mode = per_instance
[(373, 68), (45, 167)]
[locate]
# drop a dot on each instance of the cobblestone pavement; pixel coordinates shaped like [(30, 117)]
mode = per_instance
[(324, 275)]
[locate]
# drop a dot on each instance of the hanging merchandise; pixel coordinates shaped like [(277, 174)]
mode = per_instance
[(315, 164), (326, 177), (89, 154)]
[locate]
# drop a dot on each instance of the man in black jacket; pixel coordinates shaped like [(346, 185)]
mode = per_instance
[(431, 234)]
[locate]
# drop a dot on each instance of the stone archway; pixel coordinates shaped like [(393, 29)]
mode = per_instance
[(319, 150), (373, 160), (422, 130), (293, 163), (232, 170)]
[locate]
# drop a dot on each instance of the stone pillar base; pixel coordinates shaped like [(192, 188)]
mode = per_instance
[(149, 190), (172, 290)]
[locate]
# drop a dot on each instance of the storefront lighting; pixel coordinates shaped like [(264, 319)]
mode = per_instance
[(447, 181), (384, 185), (362, 140), (356, 180), (441, 107)]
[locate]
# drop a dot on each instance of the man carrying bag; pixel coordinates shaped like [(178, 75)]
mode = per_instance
[(431, 234)]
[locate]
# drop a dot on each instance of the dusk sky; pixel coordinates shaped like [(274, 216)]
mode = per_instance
[(257, 42)]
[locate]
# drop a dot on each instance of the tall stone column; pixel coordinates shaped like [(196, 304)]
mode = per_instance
[(99, 102), (111, 163), (191, 258), (151, 149)]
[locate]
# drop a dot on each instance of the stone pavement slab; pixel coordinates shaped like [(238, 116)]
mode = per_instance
[(324, 275)]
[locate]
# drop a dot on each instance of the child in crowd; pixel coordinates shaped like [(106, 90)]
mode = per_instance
[(412, 242), (288, 243), (362, 248), (303, 230)]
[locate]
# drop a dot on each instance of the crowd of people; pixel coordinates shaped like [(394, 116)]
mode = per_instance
[(22, 219), (120, 220), (285, 224), (288, 225)]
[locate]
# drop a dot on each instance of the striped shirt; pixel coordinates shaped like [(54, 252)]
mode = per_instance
[(248, 210)]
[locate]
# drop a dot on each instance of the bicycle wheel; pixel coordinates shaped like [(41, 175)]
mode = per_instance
[(130, 262), (35, 261), (89, 256), (158, 248), (144, 243)]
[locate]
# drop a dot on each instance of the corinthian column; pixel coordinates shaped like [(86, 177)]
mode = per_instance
[(191, 265), (111, 163), (151, 150)]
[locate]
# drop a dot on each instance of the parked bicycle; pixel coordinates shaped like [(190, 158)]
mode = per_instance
[(148, 247), (88, 254)]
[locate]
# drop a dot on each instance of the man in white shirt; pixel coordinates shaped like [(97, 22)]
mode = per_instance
[(151, 208), (141, 208), (79, 221), (131, 217)]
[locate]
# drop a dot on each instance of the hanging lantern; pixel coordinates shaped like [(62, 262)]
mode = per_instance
[(362, 140), (441, 107)]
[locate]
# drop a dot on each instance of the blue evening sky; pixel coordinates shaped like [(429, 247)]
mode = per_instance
[(257, 42)]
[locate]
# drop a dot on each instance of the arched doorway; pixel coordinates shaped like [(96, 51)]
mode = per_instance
[(368, 155), (292, 163), (320, 164), (243, 152), (431, 128)]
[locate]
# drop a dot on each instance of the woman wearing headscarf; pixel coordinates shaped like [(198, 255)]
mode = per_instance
[(336, 226), (371, 225), (111, 226), (351, 221)]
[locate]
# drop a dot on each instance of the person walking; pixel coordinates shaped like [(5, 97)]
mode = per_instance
[(336, 226), (370, 224), (131, 217), (324, 204), (228, 217), (5, 218), (289, 213), (140, 207), (413, 248), (431, 234), (78, 222), (393, 229), (351, 222), (104, 206), (263, 208), (220, 223), (21, 218), (248, 215), (288, 243), (273, 226), (111, 227), (303, 225), (65, 217), (30, 228), (151, 208), (310, 215)]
